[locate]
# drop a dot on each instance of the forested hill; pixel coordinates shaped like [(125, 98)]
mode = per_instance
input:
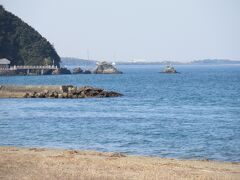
[(22, 44), (70, 61)]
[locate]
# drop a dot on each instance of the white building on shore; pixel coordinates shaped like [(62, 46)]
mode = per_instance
[(4, 63)]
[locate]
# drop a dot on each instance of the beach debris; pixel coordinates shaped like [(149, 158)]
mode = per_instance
[(117, 154)]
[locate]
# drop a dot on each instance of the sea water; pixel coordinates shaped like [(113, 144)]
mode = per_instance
[(193, 114)]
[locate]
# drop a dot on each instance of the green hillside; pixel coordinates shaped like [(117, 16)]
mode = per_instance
[(22, 44)]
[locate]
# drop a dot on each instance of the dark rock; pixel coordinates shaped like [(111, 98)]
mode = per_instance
[(77, 70), (61, 71), (47, 94), (47, 72), (72, 90), (55, 94), (82, 95), (32, 95), (74, 96), (84, 88), (65, 88), (87, 72), (70, 95), (46, 91), (65, 95), (41, 95), (109, 94), (113, 94), (51, 95), (26, 95)]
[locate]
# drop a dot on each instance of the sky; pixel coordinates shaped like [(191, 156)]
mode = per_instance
[(124, 30)]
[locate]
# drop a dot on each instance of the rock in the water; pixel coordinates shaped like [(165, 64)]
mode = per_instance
[(77, 70), (106, 68), (61, 71), (26, 95), (169, 69), (47, 72), (60, 95), (87, 71), (65, 88)]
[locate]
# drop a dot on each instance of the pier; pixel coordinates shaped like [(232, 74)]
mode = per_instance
[(30, 69)]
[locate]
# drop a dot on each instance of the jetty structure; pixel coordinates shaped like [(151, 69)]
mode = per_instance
[(27, 70), (6, 69), (101, 68)]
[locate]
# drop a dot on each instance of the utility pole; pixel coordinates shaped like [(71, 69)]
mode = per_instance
[(87, 54)]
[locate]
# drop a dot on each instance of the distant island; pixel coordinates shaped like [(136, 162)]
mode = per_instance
[(215, 62), (23, 45), (70, 61), (195, 62)]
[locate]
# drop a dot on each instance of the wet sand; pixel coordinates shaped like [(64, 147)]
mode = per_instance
[(41, 163)]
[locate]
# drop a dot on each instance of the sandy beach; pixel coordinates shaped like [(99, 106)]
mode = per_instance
[(41, 163)]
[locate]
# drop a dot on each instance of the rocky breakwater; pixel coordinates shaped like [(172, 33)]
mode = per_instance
[(106, 68), (65, 91)]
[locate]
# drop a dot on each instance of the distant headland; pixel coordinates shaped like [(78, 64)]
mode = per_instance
[(22, 44), (194, 62), (71, 61)]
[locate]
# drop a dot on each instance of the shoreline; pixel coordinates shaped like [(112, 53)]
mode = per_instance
[(40, 163)]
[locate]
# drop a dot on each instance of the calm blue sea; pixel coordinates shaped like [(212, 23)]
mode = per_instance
[(195, 114)]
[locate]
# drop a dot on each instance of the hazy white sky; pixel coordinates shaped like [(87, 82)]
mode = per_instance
[(179, 30)]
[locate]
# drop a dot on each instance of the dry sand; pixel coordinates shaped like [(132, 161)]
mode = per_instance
[(40, 163)]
